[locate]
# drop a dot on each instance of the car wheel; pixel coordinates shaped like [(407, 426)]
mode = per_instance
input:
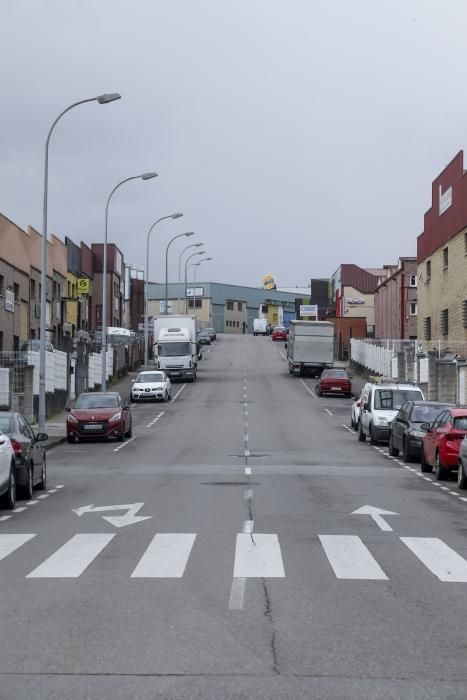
[(130, 430), (9, 499), (121, 436), (406, 454), (318, 390), (424, 466), (166, 396), (361, 435), (441, 472), (42, 485), (373, 441), (29, 486), (70, 439), (392, 450)]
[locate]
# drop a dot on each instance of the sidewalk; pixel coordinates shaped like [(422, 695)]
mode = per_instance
[(55, 427)]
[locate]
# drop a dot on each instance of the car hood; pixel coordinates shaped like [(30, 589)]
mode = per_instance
[(97, 414), (148, 385)]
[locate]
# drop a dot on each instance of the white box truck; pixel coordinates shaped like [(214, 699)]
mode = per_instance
[(260, 326), (310, 347), (175, 346)]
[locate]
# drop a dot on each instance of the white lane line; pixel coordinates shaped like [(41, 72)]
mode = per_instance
[(350, 558), (328, 412), (60, 486), (178, 393), (438, 557), (8, 543), (444, 488), (166, 556), (32, 503), (74, 557), (44, 495), (5, 517), (154, 421), (52, 491), (248, 469), (284, 356), (124, 444), (248, 526), (248, 495), (308, 389), (19, 510), (427, 478), (260, 558), (348, 429), (435, 483), (237, 594), (245, 437)]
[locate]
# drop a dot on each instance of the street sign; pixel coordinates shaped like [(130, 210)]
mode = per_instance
[(82, 285), (309, 310)]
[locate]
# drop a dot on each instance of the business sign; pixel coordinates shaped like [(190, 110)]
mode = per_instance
[(198, 292), (309, 310), (82, 285), (268, 282), (353, 302), (9, 300), (162, 307), (445, 200)]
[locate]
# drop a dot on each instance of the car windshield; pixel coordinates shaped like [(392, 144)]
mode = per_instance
[(6, 424), (334, 373), (460, 423), (174, 349), (149, 377), (279, 328), (97, 401), (426, 414), (392, 399)]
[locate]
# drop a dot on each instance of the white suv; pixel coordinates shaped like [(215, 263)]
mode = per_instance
[(379, 406)]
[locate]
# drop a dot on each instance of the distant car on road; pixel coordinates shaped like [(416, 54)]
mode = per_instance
[(151, 385), (212, 333), (204, 337), (99, 415), (334, 381), (7, 473), (30, 460), (406, 432), (279, 333), (442, 441)]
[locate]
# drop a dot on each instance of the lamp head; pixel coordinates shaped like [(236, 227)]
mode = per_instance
[(110, 97), (177, 216), (190, 233), (148, 176)]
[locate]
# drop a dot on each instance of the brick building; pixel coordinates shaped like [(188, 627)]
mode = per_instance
[(396, 302), (442, 258), (115, 285)]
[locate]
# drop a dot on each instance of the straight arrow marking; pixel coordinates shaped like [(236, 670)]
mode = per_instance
[(376, 513)]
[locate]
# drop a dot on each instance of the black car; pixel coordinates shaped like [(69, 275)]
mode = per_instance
[(406, 433), (31, 467), (204, 337), (212, 333)]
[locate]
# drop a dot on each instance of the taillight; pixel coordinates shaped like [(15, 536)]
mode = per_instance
[(17, 448)]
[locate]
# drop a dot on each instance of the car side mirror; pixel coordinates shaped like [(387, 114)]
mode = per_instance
[(67, 408), (366, 406), (42, 437), (426, 427), (133, 381)]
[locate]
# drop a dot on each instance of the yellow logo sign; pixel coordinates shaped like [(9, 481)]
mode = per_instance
[(268, 282), (82, 285)]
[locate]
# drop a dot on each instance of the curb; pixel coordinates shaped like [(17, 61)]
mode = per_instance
[(55, 442)]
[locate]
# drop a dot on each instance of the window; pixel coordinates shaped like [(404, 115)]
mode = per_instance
[(238, 324), (227, 323), (1, 341), (464, 313), (54, 290), (413, 280), (198, 303), (265, 309), (2, 285), (239, 306), (32, 333), (16, 343), (16, 292), (230, 305), (33, 289), (445, 321), (427, 327), (428, 271), (445, 258), (465, 243), (413, 308)]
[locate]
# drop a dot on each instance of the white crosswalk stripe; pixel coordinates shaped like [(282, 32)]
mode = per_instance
[(350, 558), (73, 558), (258, 556), (439, 558), (166, 556), (9, 543)]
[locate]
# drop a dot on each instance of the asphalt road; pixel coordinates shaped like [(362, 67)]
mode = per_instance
[(247, 576)]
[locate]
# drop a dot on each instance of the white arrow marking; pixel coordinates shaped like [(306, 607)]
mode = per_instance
[(376, 514), (129, 518)]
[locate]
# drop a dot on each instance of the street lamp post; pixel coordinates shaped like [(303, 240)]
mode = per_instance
[(102, 100), (194, 282), (180, 235), (194, 245), (146, 286), (201, 252), (144, 176)]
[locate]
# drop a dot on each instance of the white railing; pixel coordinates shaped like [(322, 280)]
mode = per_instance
[(376, 358), (4, 386)]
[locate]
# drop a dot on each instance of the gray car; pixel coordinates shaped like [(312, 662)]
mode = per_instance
[(31, 467), (462, 462)]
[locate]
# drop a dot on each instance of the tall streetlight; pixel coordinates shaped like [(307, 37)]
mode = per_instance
[(194, 282), (102, 100), (144, 176), (180, 235), (201, 252), (193, 245), (146, 286)]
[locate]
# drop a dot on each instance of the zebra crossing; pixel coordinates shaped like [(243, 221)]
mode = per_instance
[(253, 556)]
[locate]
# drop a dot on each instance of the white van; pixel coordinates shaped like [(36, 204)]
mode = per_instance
[(260, 326), (379, 404)]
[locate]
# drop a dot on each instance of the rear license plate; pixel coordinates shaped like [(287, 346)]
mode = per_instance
[(93, 426)]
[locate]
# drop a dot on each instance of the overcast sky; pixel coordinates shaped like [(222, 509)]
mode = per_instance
[(294, 135)]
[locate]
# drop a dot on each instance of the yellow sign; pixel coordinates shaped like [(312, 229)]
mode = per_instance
[(82, 285), (268, 282)]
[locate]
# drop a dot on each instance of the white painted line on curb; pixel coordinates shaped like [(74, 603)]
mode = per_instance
[(248, 526), (5, 517), (328, 411), (178, 393), (308, 389), (52, 491), (60, 486), (32, 503), (44, 495), (19, 510), (247, 495)]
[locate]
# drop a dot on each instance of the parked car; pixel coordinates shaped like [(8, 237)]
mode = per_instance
[(406, 432), (442, 441), (30, 460), (355, 409), (212, 332), (153, 386), (379, 406), (462, 465), (7, 473), (279, 333), (99, 415), (204, 337), (334, 381)]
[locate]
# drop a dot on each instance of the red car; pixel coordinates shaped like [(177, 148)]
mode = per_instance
[(279, 333), (441, 444), (99, 415), (334, 381)]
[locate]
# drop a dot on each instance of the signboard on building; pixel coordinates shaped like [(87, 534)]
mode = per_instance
[(309, 310), (268, 282), (82, 285), (191, 292), (355, 301), (9, 300), (169, 306)]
